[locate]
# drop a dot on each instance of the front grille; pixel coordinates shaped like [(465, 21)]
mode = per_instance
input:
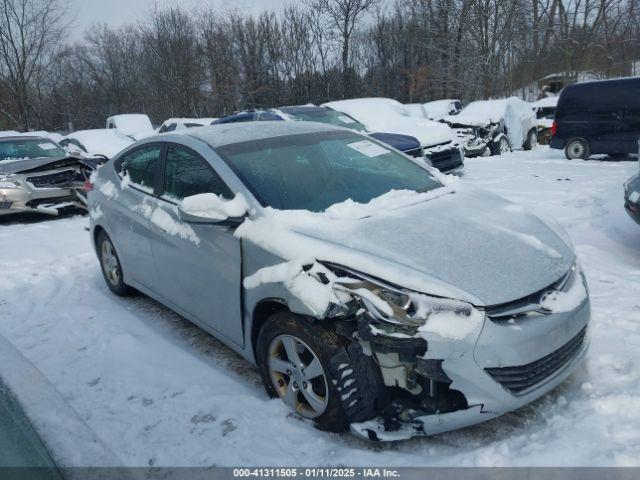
[(55, 180), (521, 378), (445, 160), (416, 152)]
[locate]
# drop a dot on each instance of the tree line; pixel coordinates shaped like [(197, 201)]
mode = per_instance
[(208, 62)]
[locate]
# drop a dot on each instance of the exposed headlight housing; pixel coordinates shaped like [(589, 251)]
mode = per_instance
[(7, 182), (390, 304)]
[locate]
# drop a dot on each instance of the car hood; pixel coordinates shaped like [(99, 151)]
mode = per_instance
[(470, 245), (427, 132), (39, 164)]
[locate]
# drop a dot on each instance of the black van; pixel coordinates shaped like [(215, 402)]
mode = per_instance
[(598, 117)]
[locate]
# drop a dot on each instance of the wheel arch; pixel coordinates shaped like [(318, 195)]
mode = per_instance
[(261, 312), (96, 232)]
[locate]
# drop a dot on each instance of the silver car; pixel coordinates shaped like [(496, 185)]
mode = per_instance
[(372, 293), (36, 175)]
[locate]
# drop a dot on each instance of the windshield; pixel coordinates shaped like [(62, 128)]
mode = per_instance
[(29, 148), (325, 115), (316, 170)]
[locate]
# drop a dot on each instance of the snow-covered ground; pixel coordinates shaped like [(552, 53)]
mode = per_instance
[(159, 391)]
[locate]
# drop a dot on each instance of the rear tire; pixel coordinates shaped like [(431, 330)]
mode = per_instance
[(311, 397), (577, 148), (110, 266), (532, 140)]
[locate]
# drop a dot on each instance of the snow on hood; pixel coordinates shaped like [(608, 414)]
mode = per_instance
[(102, 141), (455, 242), (387, 115)]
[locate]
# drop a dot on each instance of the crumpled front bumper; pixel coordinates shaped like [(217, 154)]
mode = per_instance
[(27, 199), (493, 345)]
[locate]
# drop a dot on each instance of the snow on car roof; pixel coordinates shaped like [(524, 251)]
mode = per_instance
[(228, 133), (546, 102)]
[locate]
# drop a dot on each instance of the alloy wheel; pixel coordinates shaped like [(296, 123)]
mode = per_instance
[(110, 263), (576, 149), (298, 376)]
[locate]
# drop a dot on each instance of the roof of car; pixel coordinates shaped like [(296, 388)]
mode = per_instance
[(229, 133), (23, 137)]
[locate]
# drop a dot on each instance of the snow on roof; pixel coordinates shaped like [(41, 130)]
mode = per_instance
[(229, 133), (438, 109), (131, 123), (546, 102), (55, 137), (181, 121)]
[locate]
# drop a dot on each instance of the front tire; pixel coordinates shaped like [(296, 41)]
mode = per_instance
[(577, 148), (294, 354), (110, 266), (500, 145)]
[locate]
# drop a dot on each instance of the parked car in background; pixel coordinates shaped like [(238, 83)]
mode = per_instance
[(493, 127), (180, 124), (545, 112), (439, 143), (358, 280), (53, 136), (632, 197), (98, 142), (601, 117), (435, 110), (313, 113), (135, 125), (36, 175)]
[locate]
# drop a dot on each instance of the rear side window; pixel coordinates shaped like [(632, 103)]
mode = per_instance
[(140, 166), (187, 174)]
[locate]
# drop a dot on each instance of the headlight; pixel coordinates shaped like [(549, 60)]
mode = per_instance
[(398, 306), (6, 182)]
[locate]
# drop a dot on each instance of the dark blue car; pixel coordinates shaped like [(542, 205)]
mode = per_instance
[(311, 113)]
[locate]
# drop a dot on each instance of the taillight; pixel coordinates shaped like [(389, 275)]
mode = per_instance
[(554, 128), (87, 186)]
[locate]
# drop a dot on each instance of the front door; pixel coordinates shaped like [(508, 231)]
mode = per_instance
[(198, 265), (139, 171)]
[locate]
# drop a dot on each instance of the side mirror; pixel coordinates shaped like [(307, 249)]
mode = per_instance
[(209, 208)]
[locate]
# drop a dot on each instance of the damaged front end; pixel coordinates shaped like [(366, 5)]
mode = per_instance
[(419, 365), (47, 187), (392, 378), (476, 139)]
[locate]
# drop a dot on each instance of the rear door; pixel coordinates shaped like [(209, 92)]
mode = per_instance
[(198, 265)]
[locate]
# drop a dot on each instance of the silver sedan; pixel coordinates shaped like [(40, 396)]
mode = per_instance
[(373, 293)]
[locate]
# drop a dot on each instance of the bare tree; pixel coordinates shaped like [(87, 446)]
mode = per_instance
[(30, 33), (343, 17)]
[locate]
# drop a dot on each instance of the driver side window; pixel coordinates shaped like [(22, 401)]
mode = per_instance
[(187, 174)]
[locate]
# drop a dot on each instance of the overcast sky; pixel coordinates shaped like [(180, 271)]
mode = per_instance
[(119, 12)]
